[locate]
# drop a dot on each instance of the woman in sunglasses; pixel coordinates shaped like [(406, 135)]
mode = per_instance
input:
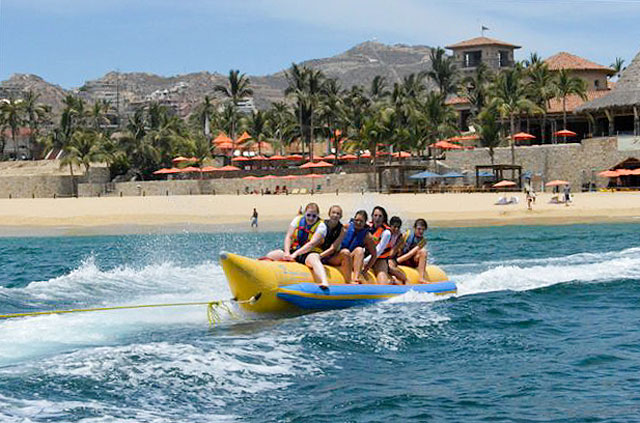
[(381, 234), (356, 240), (303, 242)]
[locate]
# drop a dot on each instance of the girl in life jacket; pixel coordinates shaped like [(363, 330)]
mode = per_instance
[(303, 241), (356, 240), (332, 253), (381, 236), (414, 251), (396, 243)]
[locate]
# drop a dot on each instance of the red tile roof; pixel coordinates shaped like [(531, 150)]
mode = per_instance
[(573, 101), (480, 41), (564, 60)]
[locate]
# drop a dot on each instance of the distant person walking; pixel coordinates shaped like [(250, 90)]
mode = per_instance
[(254, 218), (567, 195)]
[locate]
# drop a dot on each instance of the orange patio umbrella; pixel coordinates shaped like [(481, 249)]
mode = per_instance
[(240, 159), (556, 183), (309, 165), (504, 183), (269, 177), (259, 158), (167, 171), (221, 138), (523, 136), (313, 175), (190, 169), (209, 169), (328, 157), (402, 154), (294, 157), (365, 156), (349, 157), (289, 177), (225, 146), (250, 178), (227, 168), (446, 145), (277, 157), (565, 133), (635, 171)]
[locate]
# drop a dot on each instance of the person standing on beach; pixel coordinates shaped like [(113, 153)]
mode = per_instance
[(254, 218), (567, 195)]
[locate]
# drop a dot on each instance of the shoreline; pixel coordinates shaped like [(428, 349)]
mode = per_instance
[(88, 216)]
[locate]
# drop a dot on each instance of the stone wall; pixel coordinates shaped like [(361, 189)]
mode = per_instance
[(327, 183), (27, 186), (577, 163)]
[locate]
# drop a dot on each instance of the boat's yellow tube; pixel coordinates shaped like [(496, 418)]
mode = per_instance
[(260, 279)]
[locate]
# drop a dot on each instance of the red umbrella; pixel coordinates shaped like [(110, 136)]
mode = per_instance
[(289, 177), (277, 157), (209, 169), (259, 158), (349, 157), (250, 178), (504, 183), (625, 172), (227, 168), (556, 183), (365, 156), (635, 171), (167, 171), (294, 157), (312, 164), (402, 154), (523, 136), (241, 159), (225, 146), (313, 175), (327, 157), (269, 177), (565, 133), (244, 137), (190, 169), (445, 145)]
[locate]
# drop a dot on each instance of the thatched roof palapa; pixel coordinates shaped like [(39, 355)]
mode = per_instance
[(625, 94)]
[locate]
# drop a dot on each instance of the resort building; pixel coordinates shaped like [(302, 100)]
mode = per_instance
[(495, 54), (617, 112)]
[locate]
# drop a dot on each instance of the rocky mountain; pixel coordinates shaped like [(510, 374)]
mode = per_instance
[(359, 65)]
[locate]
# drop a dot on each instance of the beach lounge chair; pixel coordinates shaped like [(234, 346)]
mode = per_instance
[(295, 191), (514, 200), (303, 190), (502, 201)]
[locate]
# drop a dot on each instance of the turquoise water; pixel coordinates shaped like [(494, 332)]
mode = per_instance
[(544, 329)]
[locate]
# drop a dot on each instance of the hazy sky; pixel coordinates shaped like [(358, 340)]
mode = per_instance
[(70, 41)]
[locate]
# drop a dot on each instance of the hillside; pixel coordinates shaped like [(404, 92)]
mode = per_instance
[(358, 65)]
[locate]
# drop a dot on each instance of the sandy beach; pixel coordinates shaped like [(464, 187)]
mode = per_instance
[(121, 215)]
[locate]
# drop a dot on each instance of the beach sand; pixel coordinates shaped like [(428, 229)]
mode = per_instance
[(214, 213)]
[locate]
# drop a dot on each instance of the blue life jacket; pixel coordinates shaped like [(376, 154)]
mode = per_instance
[(353, 239), (411, 241)]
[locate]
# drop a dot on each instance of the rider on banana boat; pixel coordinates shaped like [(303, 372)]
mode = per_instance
[(332, 253), (381, 235), (414, 251), (356, 240), (302, 243), (396, 243)]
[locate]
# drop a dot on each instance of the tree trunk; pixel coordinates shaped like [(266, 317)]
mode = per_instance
[(15, 142), (513, 142), (311, 137), (544, 129), (564, 112)]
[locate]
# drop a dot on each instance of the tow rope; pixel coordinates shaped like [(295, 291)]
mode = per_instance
[(213, 309)]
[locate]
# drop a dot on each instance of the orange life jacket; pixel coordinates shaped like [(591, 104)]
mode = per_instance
[(376, 234)]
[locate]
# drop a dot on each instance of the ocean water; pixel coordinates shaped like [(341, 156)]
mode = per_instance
[(545, 328)]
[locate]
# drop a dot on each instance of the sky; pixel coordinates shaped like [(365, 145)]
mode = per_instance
[(68, 42)]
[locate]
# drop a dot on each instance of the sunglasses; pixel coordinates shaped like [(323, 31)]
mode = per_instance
[(311, 215)]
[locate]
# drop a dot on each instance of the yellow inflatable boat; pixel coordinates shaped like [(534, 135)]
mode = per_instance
[(264, 286)]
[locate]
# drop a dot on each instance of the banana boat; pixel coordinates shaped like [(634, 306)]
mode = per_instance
[(265, 286)]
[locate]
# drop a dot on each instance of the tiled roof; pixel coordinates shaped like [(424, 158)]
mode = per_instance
[(564, 60), (480, 41), (574, 101)]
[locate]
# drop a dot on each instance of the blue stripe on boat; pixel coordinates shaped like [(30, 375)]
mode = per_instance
[(310, 296)]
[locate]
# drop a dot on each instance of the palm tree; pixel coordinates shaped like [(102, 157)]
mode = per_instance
[(489, 128), (510, 99), (84, 148), (443, 71), (13, 115), (475, 88), (281, 124), (257, 126), (35, 115), (203, 113), (618, 66), (565, 85), (378, 89), (331, 110), (237, 89), (98, 115), (541, 90)]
